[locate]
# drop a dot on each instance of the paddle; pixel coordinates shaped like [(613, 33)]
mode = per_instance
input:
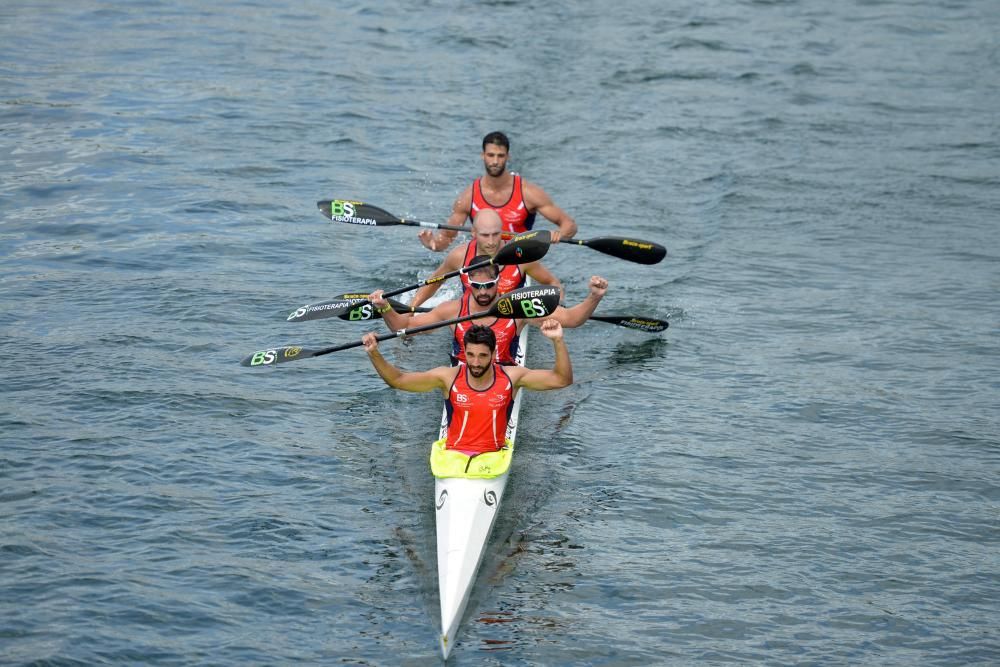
[(522, 249), (366, 312), (640, 252), (354, 307), (647, 324), (526, 302), (360, 213)]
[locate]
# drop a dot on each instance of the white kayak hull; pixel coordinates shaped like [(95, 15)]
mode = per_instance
[(466, 512)]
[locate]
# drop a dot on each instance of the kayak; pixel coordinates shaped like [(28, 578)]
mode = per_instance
[(467, 495)]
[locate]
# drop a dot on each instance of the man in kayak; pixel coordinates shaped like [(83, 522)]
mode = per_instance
[(481, 296), (478, 392), (487, 239), (515, 199)]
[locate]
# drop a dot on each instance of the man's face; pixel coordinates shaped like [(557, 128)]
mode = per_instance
[(484, 288), (494, 159), (478, 358), (488, 236)]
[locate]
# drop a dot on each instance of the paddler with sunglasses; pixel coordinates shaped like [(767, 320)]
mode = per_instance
[(483, 291), (487, 239)]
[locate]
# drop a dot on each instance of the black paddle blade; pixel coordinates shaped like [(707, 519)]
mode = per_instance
[(647, 324), (524, 248), (527, 302), (640, 252), (356, 212), (363, 311), (367, 311), (277, 355), (335, 307), (352, 307)]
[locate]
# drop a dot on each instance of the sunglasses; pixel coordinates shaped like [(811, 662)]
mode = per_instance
[(486, 285)]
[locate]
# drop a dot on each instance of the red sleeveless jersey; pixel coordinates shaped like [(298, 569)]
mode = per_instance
[(477, 419), (511, 277), (505, 329), (514, 212)]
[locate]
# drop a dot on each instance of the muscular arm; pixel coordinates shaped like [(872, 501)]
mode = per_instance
[(442, 238), (538, 200), (452, 262), (435, 378)]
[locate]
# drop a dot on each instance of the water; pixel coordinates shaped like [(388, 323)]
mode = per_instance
[(802, 470)]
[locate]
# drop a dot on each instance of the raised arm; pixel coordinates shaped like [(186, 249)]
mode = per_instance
[(538, 200), (435, 378), (561, 373), (452, 262), (442, 238)]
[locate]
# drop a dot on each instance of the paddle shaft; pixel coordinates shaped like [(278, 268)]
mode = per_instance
[(641, 252), (634, 322)]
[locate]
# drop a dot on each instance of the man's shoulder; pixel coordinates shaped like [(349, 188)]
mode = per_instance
[(456, 256), (532, 192), (464, 197), (515, 372), (529, 185), (444, 374), (449, 309)]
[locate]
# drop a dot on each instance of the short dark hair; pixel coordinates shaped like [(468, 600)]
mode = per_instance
[(497, 139), (493, 269), (483, 335)]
